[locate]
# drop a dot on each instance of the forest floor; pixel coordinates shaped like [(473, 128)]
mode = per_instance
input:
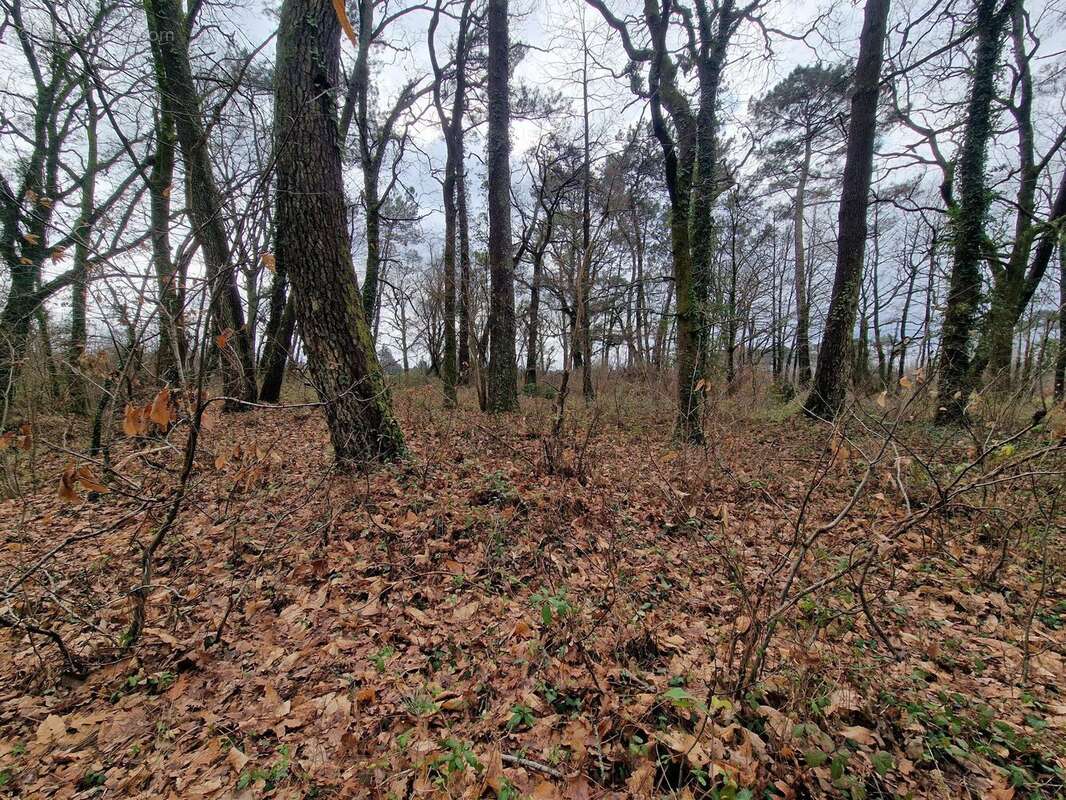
[(475, 622)]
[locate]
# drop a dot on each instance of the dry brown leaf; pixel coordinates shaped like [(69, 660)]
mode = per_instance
[(236, 760), (346, 25), (52, 729), (546, 790), (223, 338), (859, 734), (89, 482), (161, 410), (67, 492), (467, 612)]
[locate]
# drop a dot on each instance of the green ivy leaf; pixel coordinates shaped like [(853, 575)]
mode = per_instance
[(883, 762), (815, 758)]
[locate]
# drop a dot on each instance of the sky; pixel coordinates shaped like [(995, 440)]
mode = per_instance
[(550, 31)]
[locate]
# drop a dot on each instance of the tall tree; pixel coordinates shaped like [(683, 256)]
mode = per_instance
[(1060, 358), (452, 128), (691, 166), (82, 246), (49, 119), (826, 397), (169, 30), (970, 213), (502, 378), (582, 347), (1015, 282), (799, 119), (313, 241), (375, 133), (171, 354)]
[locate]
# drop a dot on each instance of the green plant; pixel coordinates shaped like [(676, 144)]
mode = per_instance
[(458, 756), (422, 705), (498, 490), (379, 658), (91, 780), (561, 701), (544, 390), (553, 605), (272, 775), (521, 717)]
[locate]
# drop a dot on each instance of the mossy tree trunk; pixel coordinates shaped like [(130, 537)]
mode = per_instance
[(313, 240), (968, 216), (170, 51)]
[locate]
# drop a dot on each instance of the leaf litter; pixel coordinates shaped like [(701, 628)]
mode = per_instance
[(464, 624)]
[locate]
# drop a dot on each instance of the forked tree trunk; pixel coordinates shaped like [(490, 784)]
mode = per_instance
[(170, 51), (451, 127), (826, 397), (312, 237)]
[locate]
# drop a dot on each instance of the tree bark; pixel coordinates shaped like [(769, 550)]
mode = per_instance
[(312, 237), (1060, 359), (912, 276), (277, 339), (502, 372), (582, 287), (964, 287), (533, 334), (827, 394), (174, 75), (451, 127), (803, 338), (466, 330), (172, 351), (80, 285)]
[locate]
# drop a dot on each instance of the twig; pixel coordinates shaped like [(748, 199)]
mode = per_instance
[(529, 763)]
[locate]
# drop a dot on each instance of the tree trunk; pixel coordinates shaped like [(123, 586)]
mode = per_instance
[(1008, 283), (582, 286), (905, 314), (502, 372), (1060, 359), (466, 330), (174, 74), (451, 127), (312, 237), (826, 397), (171, 354), (533, 334), (277, 339), (731, 304), (964, 288), (803, 339), (80, 285), (879, 347)]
